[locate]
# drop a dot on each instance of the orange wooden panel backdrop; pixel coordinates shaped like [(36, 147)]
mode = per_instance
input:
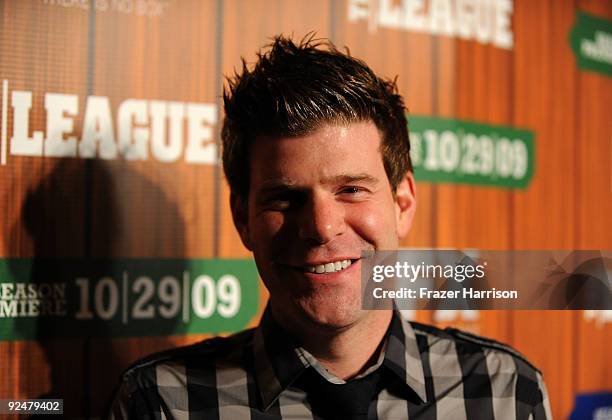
[(76, 207)]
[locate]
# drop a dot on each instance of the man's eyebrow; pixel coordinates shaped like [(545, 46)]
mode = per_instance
[(287, 184), (351, 178), (276, 184)]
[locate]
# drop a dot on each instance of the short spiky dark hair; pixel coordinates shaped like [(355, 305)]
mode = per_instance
[(295, 88)]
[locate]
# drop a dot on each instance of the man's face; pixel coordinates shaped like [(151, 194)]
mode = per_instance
[(315, 203)]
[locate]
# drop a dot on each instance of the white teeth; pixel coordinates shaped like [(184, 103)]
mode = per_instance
[(331, 267)]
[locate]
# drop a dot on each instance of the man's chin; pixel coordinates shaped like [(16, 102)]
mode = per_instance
[(329, 310), (330, 318)]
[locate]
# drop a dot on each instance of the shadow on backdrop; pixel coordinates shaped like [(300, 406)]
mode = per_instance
[(80, 219)]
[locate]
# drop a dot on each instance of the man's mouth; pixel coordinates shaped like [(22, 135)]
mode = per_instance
[(330, 267)]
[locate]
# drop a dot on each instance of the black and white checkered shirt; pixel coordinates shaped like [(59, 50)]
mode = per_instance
[(423, 373)]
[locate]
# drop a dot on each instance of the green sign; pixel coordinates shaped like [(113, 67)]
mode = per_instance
[(57, 298), (591, 42), (462, 152)]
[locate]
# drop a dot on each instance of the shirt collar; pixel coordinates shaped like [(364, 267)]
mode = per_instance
[(277, 365), (402, 355), (279, 361)]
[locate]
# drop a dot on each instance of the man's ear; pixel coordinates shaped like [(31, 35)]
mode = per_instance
[(240, 216), (405, 204)]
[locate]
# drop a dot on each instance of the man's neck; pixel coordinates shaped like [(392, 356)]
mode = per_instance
[(347, 352)]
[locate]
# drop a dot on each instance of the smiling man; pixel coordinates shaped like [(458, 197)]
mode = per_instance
[(316, 154)]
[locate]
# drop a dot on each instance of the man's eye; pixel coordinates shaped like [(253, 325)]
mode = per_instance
[(283, 201), (277, 204), (350, 190)]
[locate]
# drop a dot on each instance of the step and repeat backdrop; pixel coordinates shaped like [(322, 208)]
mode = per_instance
[(116, 235)]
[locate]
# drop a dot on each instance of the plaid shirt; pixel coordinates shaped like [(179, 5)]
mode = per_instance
[(423, 373)]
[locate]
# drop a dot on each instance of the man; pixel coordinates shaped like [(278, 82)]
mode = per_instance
[(316, 152)]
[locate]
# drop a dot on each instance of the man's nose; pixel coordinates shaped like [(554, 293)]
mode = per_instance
[(322, 219)]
